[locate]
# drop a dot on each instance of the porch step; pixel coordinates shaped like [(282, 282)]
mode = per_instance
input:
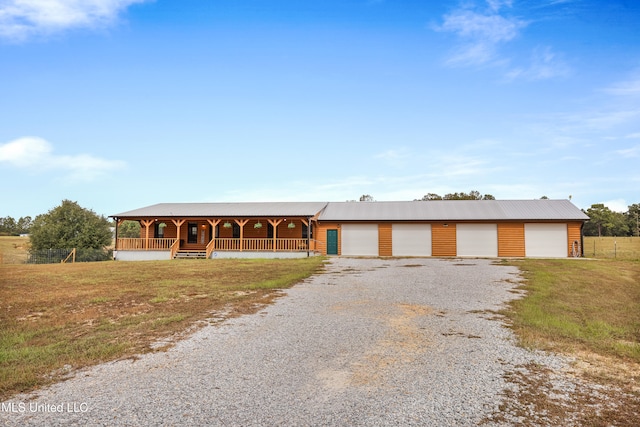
[(190, 255)]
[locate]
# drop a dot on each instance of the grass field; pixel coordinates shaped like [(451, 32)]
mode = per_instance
[(13, 249), (53, 317), (588, 310), (580, 305), (612, 247)]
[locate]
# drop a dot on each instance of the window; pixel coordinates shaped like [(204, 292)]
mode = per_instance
[(236, 231), (158, 231), (305, 231)]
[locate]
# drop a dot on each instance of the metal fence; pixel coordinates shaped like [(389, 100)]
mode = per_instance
[(56, 256)]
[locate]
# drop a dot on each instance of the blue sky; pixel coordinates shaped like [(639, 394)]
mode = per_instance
[(119, 104)]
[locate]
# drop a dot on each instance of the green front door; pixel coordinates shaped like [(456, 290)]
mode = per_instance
[(332, 242)]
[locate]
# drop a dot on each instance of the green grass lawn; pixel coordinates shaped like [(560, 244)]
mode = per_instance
[(58, 315), (623, 248), (580, 305)]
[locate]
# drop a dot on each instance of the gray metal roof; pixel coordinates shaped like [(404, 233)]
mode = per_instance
[(185, 210), (433, 210), (454, 210)]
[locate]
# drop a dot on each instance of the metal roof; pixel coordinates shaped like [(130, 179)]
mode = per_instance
[(433, 210), (276, 209), (454, 210)]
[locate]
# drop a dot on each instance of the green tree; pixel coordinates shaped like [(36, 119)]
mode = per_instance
[(70, 226), (431, 196), (633, 219), (23, 225), (471, 195), (7, 226), (604, 222), (129, 229)]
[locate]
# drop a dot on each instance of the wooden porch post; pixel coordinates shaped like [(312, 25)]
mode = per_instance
[(147, 223), (178, 223), (275, 223), (308, 224), (241, 223), (213, 223), (118, 222)]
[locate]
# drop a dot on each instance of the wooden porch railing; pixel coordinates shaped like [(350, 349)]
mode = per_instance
[(175, 248), (219, 244), (137, 244), (260, 245)]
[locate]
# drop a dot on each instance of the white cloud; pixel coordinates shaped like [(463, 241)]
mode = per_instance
[(37, 154), (617, 205), (21, 19), (481, 33), (394, 157), (625, 88), (545, 64), (630, 152)]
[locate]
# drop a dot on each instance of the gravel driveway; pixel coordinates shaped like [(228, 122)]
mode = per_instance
[(369, 342)]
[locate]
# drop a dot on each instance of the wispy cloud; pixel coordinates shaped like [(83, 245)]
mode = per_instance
[(481, 33), (22, 19), (545, 64), (394, 157), (630, 152), (629, 87), (37, 154)]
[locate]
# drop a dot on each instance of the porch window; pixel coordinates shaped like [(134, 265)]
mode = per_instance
[(305, 232), (158, 231), (236, 231)]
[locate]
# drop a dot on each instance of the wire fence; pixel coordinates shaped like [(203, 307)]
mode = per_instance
[(623, 248), (56, 256)]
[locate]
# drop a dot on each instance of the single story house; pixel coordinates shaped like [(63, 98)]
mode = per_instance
[(439, 228)]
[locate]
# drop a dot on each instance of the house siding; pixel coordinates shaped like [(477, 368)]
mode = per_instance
[(385, 242), (511, 239), (443, 239), (574, 232), (320, 236)]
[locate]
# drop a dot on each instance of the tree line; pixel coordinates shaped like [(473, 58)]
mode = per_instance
[(10, 227), (604, 222)]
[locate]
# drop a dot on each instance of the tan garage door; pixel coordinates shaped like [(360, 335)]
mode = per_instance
[(411, 239), (546, 240), (360, 239), (479, 240)]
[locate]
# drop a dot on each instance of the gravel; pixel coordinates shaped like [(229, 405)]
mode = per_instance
[(369, 342)]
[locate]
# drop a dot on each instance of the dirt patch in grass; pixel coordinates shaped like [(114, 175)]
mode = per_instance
[(539, 396), (54, 318)]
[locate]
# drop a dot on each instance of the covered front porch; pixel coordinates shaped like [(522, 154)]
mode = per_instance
[(169, 238)]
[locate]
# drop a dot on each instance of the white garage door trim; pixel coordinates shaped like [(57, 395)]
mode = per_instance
[(546, 240), (360, 239), (479, 240), (411, 239)]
